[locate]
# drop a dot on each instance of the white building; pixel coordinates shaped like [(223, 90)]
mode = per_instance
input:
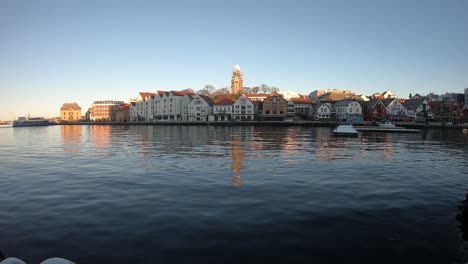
[(395, 109), (323, 110), (244, 109), (200, 108), (302, 106), (171, 106), (140, 108), (223, 110), (348, 110), (418, 108)]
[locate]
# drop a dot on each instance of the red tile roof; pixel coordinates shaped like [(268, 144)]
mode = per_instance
[(225, 101), (146, 94), (182, 93)]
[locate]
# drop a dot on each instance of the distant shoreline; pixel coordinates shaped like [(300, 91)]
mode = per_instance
[(261, 123)]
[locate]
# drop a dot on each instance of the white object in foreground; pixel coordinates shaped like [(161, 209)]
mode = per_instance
[(345, 130)]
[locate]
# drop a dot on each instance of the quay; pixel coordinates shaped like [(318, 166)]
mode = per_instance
[(360, 126)]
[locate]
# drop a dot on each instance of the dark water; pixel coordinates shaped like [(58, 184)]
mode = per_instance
[(169, 194)]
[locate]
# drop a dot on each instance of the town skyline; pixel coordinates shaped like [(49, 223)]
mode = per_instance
[(81, 52)]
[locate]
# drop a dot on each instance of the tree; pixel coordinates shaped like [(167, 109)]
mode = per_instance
[(207, 90), (275, 89), (255, 89), (265, 88), (247, 90), (410, 95), (220, 91)]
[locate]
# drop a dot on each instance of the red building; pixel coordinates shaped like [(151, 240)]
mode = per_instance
[(374, 110)]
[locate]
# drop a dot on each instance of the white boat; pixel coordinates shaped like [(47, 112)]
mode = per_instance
[(387, 125), (345, 130)]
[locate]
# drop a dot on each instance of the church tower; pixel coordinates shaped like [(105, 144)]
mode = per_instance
[(237, 81)]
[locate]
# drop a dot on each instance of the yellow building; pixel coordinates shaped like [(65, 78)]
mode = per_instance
[(70, 112), (237, 81), (274, 107)]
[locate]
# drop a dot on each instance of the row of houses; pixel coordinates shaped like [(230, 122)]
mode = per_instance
[(188, 106)]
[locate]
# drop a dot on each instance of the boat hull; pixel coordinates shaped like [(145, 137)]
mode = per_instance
[(33, 124)]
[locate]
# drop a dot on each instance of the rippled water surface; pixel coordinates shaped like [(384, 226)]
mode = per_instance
[(214, 194)]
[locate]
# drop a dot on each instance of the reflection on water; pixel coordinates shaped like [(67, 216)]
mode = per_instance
[(462, 218), (237, 156), (144, 194), (71, 137)]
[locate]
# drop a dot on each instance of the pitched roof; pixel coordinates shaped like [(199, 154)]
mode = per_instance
[(182, 93), (301, 100), (146, 94), (413, 104), (67, 106), (370, 104), (317, 106), (124, 107), (386, 102), (207, 99), (343, 102), (225, 101)]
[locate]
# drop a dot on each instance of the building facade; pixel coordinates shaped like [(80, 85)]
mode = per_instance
[(237, 81), (243, 109), (104, 110), (123, 114), (274, 107), (200, 108), (70, 112), (348, 110), (223, 110)]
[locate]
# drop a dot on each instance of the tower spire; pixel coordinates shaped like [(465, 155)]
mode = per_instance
[(237, 81)]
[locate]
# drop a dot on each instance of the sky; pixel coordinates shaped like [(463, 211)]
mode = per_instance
[(58, 51)]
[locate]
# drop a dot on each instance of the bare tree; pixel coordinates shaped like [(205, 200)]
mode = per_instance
[(247, 90), (265, 88), (207, 90), (255, 89), (275, 89), (220, 91)]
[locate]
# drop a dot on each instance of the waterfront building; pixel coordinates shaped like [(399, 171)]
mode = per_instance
[(237, 81), (141, 110), (302, 106), (446, 111), (322, 110), (243, 109), (274, 108), (348, 110), (70, 112), (200, 108), (395, 109), (173, 105), (104, 110), (223, 110), (123, 114), (418, 108), (374, 110)]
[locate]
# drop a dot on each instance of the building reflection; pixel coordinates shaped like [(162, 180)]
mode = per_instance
[(71, 138), (237, 156), (100, 139)]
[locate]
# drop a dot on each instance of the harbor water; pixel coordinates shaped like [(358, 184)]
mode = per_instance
[(219, 194)]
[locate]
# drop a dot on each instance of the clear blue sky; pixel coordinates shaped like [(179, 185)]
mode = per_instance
[(52, 52)]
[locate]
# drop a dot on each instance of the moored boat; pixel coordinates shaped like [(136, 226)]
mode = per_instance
[(31, 122), (345, 131)]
